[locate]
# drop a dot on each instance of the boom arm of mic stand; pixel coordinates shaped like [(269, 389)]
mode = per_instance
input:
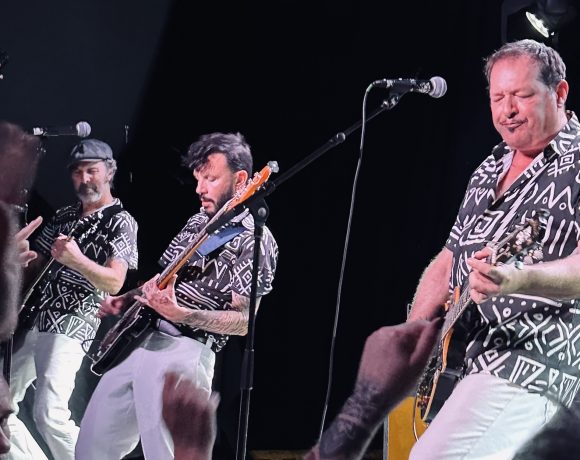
[(337, 139), (270, 186)]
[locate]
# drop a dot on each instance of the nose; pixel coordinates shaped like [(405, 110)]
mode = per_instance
[(201, 188), (510, 109)]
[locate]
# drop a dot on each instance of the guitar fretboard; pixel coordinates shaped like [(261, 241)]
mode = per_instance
[(456, 310)]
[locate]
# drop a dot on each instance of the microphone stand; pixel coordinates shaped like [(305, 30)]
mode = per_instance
[(259, 210)]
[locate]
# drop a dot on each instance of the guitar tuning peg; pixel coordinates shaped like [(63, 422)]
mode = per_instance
[(273, 165)]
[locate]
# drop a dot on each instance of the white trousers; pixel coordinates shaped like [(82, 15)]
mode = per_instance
[(53, 361), (126, 403), (485, 418)]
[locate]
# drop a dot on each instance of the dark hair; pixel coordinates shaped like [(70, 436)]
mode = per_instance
[(550, 63), (232, 145)]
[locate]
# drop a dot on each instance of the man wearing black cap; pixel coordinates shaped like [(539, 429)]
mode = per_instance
[(89, 247)]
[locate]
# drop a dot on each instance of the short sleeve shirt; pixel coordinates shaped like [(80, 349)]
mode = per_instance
[(69, 301), (529, 340)]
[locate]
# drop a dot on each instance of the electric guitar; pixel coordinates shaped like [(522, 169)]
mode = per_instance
[(128, 331), (446, 367), (29, 312)]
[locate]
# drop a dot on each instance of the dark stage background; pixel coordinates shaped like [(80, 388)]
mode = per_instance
[(150, 77)]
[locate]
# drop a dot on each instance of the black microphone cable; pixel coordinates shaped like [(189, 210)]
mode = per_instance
[(343, 263)]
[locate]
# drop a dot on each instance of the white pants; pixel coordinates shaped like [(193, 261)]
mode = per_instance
[(485, 418), (53, 360), (127, 402)]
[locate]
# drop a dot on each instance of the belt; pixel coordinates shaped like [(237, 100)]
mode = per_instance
[(169, 328)]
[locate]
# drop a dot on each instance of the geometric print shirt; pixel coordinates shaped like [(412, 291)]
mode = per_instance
[(207, 282), (531, 341), (69, 301)]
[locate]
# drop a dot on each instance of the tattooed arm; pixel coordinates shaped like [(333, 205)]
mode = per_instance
[(164, 302), (392, 361), (231, 322)]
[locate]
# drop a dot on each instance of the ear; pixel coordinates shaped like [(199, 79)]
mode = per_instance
[(241, 179), (562, 93)]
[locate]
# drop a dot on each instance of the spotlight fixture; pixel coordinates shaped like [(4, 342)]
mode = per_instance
[(540, 19), (538, 24), (549, 16)]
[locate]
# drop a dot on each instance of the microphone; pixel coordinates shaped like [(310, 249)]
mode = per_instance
[(81, 129), (435, 87)]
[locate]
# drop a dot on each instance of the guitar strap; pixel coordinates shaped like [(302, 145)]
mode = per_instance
[(107, 214), (220, 238)]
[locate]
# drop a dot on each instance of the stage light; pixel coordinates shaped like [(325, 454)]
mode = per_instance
[(549, 16), (538, 24), (540, 19)]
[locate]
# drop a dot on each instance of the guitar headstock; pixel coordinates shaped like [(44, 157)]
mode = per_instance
[(259, 178), (522, 241)]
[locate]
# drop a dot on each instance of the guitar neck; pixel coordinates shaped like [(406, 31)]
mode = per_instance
[(35, 282), (456, 310), (190, 249)]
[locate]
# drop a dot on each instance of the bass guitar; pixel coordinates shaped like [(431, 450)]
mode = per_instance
[(128, 331), (446, 367)]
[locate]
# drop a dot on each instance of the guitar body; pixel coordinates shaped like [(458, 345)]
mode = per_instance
[(26, 320), (445, 369), (403, 427), (122, 338)]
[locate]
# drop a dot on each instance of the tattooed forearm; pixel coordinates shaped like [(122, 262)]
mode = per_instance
[(231, 322), (221, 322), (352, 430)]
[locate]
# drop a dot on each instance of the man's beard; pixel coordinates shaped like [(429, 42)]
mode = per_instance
[(220, 203), (89, 193)]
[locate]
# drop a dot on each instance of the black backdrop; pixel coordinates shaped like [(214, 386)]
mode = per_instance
[(152, 76)]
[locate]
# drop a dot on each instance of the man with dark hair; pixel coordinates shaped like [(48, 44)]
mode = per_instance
[(89, 247), (194, 313), (511, 336)]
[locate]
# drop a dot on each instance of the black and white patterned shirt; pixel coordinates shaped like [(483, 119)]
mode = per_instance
[(207, 282), (69, 301), (528, 340)]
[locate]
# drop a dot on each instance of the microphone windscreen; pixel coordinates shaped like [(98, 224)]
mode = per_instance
[(439, 87), (83, 129)]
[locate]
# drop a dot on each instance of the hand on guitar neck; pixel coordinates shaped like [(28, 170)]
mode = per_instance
[(486, 280)]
